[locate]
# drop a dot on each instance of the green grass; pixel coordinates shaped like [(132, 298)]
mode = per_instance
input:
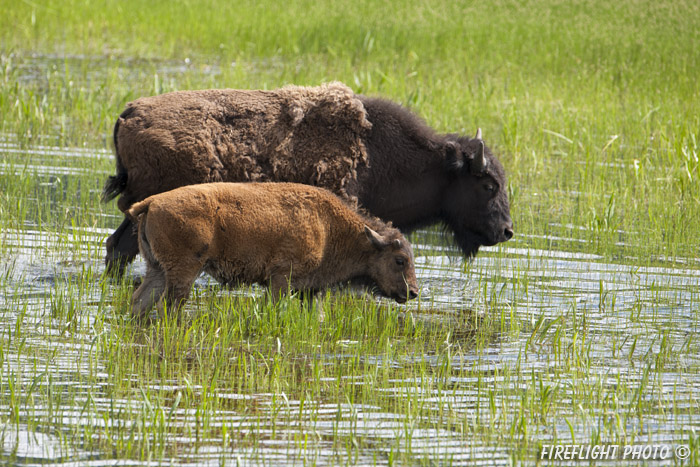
[(594, 110)]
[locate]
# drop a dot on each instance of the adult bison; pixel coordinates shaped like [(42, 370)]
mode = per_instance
[(368, 150)]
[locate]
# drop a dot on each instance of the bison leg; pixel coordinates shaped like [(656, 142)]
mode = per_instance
[(173, 299), (122, 248), (312, 299), (279, 286), (178, 284), (148, 293)]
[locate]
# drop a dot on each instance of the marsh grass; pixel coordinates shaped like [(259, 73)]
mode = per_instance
[(232, 373), (593, 110), (262, 367), (595, 119)]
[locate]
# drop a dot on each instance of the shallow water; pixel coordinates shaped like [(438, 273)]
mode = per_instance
[(627, 318), (644, 298)]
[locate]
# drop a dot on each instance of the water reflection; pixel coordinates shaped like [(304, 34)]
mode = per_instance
[(626, 319)]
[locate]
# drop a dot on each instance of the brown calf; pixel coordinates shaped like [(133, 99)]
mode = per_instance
[(285, 235)]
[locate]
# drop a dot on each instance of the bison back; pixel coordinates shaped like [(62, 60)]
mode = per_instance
[(309, 135)]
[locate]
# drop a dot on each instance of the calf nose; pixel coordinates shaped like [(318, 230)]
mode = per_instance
[(412, 294)]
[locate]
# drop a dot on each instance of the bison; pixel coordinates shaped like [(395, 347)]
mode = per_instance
[(369, 150), (285, 235)]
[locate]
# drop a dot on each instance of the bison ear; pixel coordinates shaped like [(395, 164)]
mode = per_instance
[(453, 155), (377, 240), (480, 162)]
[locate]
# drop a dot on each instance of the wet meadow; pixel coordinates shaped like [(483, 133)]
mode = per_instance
[(583, 329)]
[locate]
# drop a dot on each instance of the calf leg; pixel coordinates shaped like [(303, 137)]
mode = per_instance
[(148, 293), (178, 284), (279, 285), (122, 248), (312, 300), (174, 298)]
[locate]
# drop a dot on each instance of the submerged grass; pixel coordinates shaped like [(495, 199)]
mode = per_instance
[(370, 383), (593, 108)]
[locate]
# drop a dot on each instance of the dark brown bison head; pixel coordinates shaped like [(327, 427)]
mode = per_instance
[(475, 205), (391, 265)]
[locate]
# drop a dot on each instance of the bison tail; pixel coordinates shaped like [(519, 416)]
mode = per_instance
[(114, 185), (137, 209), (144, 245)]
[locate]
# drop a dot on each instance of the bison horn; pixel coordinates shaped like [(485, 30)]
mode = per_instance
[(453, 154), (478, 133), (377, 240), (480, 161)]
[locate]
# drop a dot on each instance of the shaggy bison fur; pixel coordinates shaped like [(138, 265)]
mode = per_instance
[(368, 150), (284, 235)]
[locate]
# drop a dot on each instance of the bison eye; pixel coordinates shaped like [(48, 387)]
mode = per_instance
[(400, 261)]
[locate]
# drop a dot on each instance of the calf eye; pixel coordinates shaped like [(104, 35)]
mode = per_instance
[(400, 261)]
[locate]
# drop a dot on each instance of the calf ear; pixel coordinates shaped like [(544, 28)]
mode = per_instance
[(453, 155), (377, 240)]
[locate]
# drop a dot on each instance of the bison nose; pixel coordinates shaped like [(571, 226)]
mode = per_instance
[(508, 233), (412, 294)]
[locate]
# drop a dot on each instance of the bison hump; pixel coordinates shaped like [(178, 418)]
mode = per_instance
[(310, 135), (323, 142)]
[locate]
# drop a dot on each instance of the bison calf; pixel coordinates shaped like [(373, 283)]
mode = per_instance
[(285, 235)]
